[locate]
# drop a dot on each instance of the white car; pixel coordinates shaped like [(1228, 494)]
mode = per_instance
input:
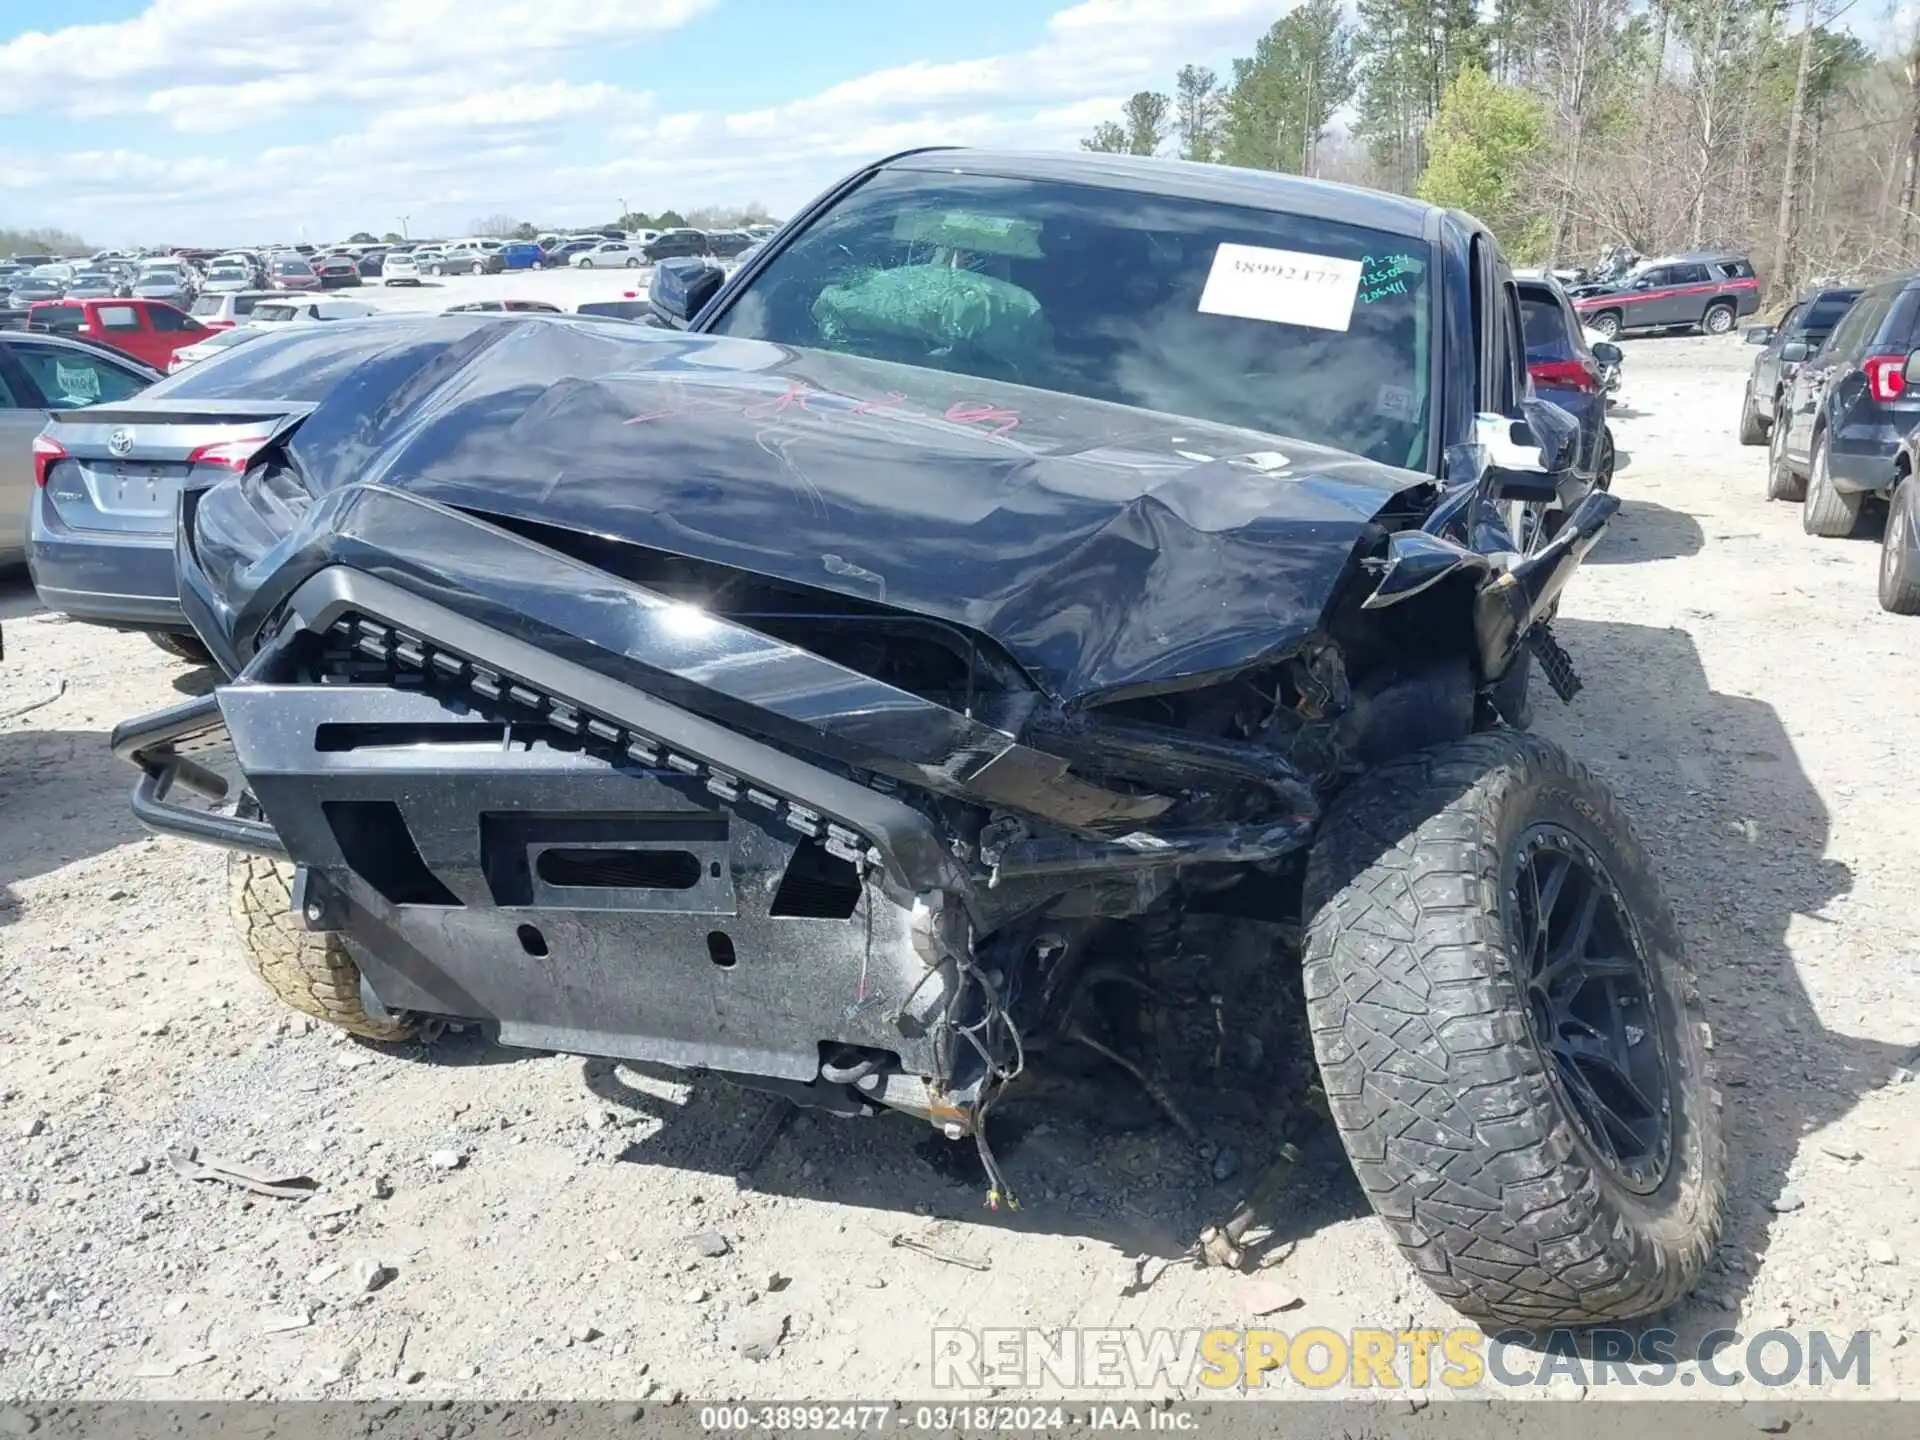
[(400, 268), (629, 253), (231, 307), (296, 309), (206, 349)]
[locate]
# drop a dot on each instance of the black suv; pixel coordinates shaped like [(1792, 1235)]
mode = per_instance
[(1703, 290), (1801, 331), (1840, 422), (674, 244)]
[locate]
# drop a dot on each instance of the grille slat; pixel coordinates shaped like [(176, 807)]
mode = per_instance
[(410, 659)]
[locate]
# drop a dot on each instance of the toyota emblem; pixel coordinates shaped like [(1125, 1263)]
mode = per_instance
[(120, 443)]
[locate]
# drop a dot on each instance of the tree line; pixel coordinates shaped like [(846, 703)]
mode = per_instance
[(700, 217), (1759, 126), (40, 242)]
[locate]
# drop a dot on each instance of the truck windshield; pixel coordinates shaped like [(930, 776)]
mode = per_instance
[(1276, 322)]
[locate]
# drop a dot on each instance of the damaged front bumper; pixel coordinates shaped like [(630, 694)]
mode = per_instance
[(660, 893), (530, 795)]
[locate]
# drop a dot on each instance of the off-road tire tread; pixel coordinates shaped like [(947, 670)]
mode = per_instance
[(1439, 1094), (1828, 513), (312, 972)]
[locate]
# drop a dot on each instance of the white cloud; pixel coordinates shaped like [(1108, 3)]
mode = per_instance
[(476, 114), (253, 59)]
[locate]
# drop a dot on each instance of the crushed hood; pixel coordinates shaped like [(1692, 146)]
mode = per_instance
[(1106, 549)]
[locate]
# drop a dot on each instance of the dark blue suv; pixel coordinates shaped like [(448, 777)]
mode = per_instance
[(1839, 426), (1567, 371)]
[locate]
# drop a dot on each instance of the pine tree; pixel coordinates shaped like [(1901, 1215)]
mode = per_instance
[(1409, 52), (1197, 102), (1301, 71), (1145, 117)]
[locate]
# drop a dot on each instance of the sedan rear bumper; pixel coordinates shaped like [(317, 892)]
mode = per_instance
[(106, 578)]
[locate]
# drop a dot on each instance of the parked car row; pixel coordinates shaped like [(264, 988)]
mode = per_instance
[(155, 278), (1834, 394)]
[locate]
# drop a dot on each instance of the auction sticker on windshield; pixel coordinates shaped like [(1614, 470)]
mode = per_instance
[(1287, 287), (78, 383)]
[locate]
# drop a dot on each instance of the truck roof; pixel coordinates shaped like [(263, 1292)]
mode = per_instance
[(1181, 179)]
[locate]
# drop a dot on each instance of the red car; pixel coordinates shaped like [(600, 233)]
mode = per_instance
[(292, 272), (149, 330)]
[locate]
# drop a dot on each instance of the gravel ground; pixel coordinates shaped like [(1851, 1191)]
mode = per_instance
[(493, 1225)]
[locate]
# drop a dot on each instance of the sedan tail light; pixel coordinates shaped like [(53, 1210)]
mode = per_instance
[(1886, 376), (1575, 374), (233, 455), (47, 451)]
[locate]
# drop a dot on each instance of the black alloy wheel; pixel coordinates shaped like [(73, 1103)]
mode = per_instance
[(1590, 1003)]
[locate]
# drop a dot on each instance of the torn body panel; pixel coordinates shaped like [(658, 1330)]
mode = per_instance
[(1099, 546)]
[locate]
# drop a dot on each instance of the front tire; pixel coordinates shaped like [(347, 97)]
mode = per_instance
[(1899, 562), (633, 262), (1517, 1064), (476, 268), (1606, 324), (312, 972), (1828, 513), (1717, 321), (586, 264), (1753, 430)]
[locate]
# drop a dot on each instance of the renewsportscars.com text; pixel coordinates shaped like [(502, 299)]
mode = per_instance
[(1318, 1358)]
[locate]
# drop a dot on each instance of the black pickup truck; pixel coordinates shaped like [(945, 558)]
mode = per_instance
[(1032, 595)]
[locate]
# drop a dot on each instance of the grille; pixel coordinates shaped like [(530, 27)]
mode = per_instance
[(403, 658)]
